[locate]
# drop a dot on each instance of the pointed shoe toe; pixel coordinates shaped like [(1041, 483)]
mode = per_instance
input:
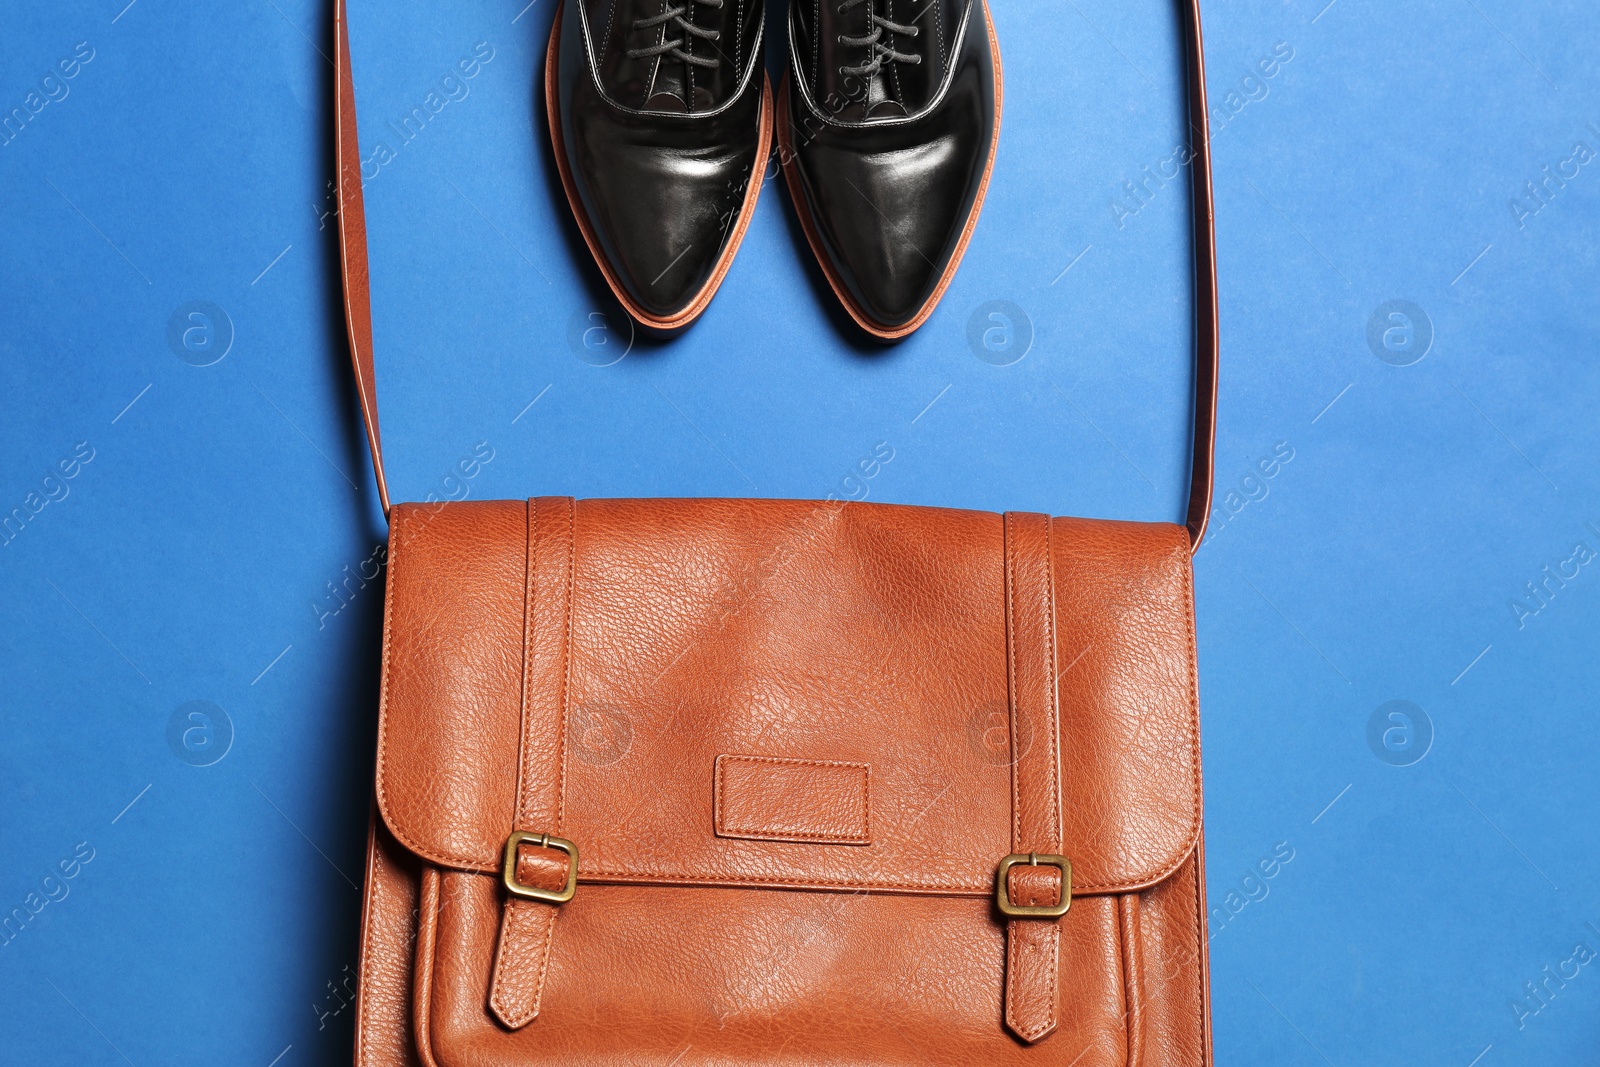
[(660, 148), (887, 150)]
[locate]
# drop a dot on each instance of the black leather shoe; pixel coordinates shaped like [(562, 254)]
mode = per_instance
[(661, 118), (890, 119)]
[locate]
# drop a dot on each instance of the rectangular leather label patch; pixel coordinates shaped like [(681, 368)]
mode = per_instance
[(766, 798)]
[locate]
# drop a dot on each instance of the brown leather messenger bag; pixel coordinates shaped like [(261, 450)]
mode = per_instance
[(746, 782)]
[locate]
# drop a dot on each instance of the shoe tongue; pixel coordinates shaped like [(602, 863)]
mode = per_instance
[(671, 101), (880, 99), (894, 90), (666, 82), (667, 102)]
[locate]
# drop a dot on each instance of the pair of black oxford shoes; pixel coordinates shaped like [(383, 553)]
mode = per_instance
[(662, 120)]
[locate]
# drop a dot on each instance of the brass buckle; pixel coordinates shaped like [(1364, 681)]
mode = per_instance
[(1002, 889), (508, 867)]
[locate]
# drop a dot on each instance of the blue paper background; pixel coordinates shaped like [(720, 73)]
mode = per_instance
[(192, 558)]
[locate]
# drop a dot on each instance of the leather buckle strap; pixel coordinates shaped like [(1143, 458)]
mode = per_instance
[(1004, 894), (528, 920), (518, 888), (1033, 937)]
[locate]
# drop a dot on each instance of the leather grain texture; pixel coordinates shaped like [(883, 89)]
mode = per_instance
[(817, 801), (799, 630), (389, 914), (789, 830)]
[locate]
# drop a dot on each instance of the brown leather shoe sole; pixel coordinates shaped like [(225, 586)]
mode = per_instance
[(752, 192), (791, 174)]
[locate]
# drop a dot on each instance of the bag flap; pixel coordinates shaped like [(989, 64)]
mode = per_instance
[(787, 693)]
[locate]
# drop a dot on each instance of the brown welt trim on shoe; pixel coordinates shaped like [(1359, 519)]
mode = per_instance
[(752, 193), (791, 174)]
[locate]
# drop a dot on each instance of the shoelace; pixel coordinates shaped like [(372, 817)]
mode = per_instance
[(676, 47), (879, 52)]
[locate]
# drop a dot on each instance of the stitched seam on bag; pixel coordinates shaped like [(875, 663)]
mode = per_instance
[(760, 834), (1123, 971), (545, 940), (1053, 963), (1194, 739), (1050, 960), (363, 1032), (1052, 694), (499, 994), (1128, 922), (566, 662), (547, 936), (1187, 572), (644, 877), (422, 966), (1201, 968), (972, 888), (530, 531), (756, 833), (1011, 679), (519, 914), (395, 525), (1013, 947)]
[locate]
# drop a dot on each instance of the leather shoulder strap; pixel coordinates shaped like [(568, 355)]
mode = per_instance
[(358, 301), (1206, 343), (353, 247)]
